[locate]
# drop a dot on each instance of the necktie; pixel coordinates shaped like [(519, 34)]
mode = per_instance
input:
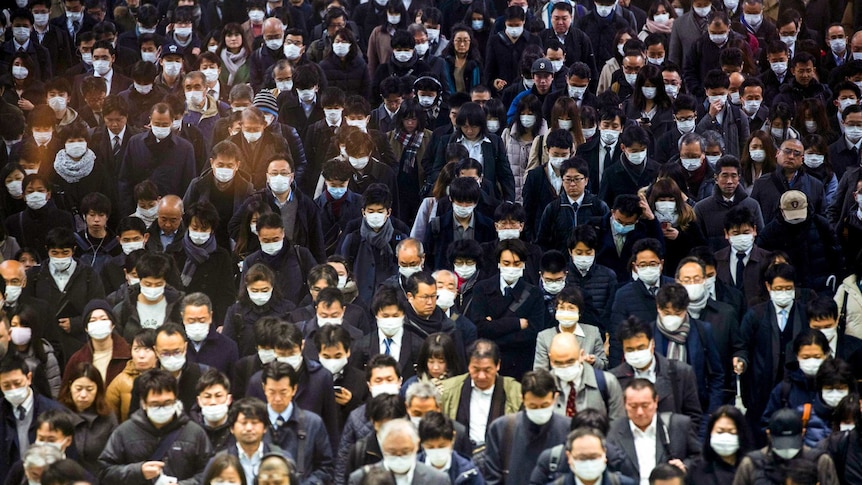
[(605, 162), (279, 422), (740, 269), (388, 343), (782, 319), (22, 413), (570, 403), (116, 146), (653, 290), (507, 292), (76, 25), (211, 92)]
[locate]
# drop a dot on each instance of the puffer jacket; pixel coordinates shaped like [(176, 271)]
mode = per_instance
[(599, 286), (51, 367), (811, 245), (850, 287), (137, 439), (351, 76), (518, 152), (119, 393), (709, 214)]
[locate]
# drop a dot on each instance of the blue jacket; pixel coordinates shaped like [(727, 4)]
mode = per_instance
[(462, 470), (304, 438), (599, 286), (702, 354), (170, 164), (795, 392), (356, 428), (289, 265)]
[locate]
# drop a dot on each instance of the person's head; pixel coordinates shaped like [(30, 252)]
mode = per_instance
[(586, 452), (213, 396), (780, 282), (224, 469), (276, 469), (565, 354), (55, 427), (822, 315), (641, 401), (279, 381), (383, 375), (672, 302), (144, 350), (333, 347), (399, 442), (37, 458), (483, 363), (575, 174), (538, 391), (648, 260), (421, 398), (728, 434), (785, 433), (739, 228), (471, 121), (666, 474), (437, 434), (636, 337), (84, 390), (171, 346), (248, 421), (158, 392)]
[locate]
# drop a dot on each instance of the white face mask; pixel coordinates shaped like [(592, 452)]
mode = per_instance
[(438, 457), (446, 298), (649, 92), (306, 95), (101, 67), (812, 160), (514, 32), (172, 68), (830, 333), (279, 184), (463, 211), (553, 287), (152, 293), (540, 416), (757, 156), (639, 359), (99, 329), (610, 137), (223, 175), (741, 243), (570, 373), (294, 361), (61, 264), (589, 132), (13, 293), (211, 74), (266, 355), (199, 237), (57, 103), (375, 220), (493, 125), (671, 322), (782, 298), (589, 470), (334, 366), (292, 51), (20, 72), (511, 275), (333, 116), (173, 363), (833, 396), (408, 271), (36, 200), (284, 86), (162, 414), (272, 248), (391, 389), (465, 271), (16, 397), (161, 132), (403, 56), (503, 234), (649, 275), (390, 326), (399, 465), (724, 444), (259, 298), (20, 335), (197, 332), (527, 121), (214, 413)]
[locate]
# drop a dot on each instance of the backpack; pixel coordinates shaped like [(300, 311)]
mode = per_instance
[(786, 387)]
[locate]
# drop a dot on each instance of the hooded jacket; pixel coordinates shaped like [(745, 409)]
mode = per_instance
[(120, 353)]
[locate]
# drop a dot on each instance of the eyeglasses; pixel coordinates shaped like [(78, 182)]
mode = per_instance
[(691, 281), (573, 180), (426, 297), (790, 151), (461, 41), (648, 265), (283, 174)]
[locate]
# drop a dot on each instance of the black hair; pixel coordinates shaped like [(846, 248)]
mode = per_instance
[(381, 361), (156, 381), (250, 407), (737, 217), (436, 425), (465, 189), (584, 233), (632, 327), (674, 295), (331, 336), (277, 371), (385, 407)]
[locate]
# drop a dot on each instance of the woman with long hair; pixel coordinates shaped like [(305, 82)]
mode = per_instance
[(345, 67), (519, 136), (678, 224), (26, 333), (84, 395), (438, 360), (463, 60), (757, 160), (650, 104), (818, 165), (728, 440)]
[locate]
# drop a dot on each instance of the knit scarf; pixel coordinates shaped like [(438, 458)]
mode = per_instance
[(72, 171), (677, 338), (232, 62), (695, 307), (195, 255), (657, 28), (380, 239), (411, 143)]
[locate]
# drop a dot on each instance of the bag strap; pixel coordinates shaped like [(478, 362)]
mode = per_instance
[(556, 454), (842, 316), (602, 384), (508, 437), (301, 441), (522, 298), (164, 445), (806, 414), (785, 393)]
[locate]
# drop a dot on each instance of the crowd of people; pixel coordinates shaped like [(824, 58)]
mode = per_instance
[(418, 242)]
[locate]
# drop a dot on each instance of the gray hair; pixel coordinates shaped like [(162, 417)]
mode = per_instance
[(690, 138), (197, 299), (41, 455), (423, 390), (442, 272), (241, 91), (413, 29), (411, 242), (402, 426), (713, 137)]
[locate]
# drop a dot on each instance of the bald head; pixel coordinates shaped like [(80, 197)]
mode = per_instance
[(13, 272), (273, 28), (564, 350), (170, 213)]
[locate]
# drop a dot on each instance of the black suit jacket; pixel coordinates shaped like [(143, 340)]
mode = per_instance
[(752, 287), (61, 22), (589, 151), (676, 439), (369, 346), (60, 47), (119, 83), (102, 145)]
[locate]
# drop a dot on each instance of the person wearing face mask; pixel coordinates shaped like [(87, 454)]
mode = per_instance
[(507, 299), (841, 151), (789, 175), (104, 57), (525, 126), (686, 339), (538, 425), (259, 300), (23, 336), (208, 346), (717, 113), (598, 282), (40, 215), (509, 222), (740, 264), (21, 26), (161, 412), (381, 409), (325, 277), (679, 226), (505, 49), (544, 182), (688, 28), (203, 110), (399, 444), (404, 60), (175, 165), (20, 409), (244, 428), (635, 169), (801, 233), (423, 317), (57, 41), (602, 26), (804, 84), (631, 219), (332, 343), (329, 309), (580, 384), (727, 193), (753, 359), (152, 301), (814, 388), (270, 51), (211, 409), (119, 391), (106, 350), (15, 298), (460, 221), (439, 435), (728, 441), (785, 445), (139, 97), (704, 55), (586, 453)]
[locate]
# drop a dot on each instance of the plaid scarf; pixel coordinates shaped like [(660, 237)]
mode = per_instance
[(677, 338), (411, 144)]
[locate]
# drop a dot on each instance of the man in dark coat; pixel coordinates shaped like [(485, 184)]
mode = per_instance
[(41, 65), (740, 232), (57, 41), (634, 170), (265, 56), (461, 221), (207, 346), (504, 50), (601, 25), (576, 43), (788, 176), (19, 421), (337, 203), (630, 221), (726, 195), (30, 227), (128, 455), (111, 142)]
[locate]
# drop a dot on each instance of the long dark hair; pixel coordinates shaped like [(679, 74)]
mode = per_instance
[(88, 370), (438, 346), (29, 318), (746, 442)]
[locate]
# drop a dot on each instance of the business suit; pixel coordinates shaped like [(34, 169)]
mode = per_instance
[(591, 151), (724, 321), (369, 346), (588, 395), (675, 383), (683, 36), (676, 439), (495, 163), (119, 83), (523, 441), (618, 261), (101, 143), (496, 321), (422, 475), (751, 285)]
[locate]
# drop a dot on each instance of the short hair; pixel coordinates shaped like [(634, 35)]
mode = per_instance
[(466, 249), (322, 272), (780, 270), (212, 377), (337, 169), (436, 425), (514, 13), (170, 329), (358, 105), (381, 361), (716, 79), (835, 373), (559, 138), (576, 163), (286, 336), (59, 84), (250, 407), (93, 84), (57, 420), (634, 135), (115, 103), (331, 336), (583, 432), (96, 202), (277, 371), (306, 76), (647, 244), (571, 294), (464, 189), (423, 277), (483, 349), (60, 238), (639, 383), (539, 382), (423, 390), (384, 297), (332, 96), (157, 381), (728, 161), (632, 327), (12, 362), (583, 233), (628, 204), (515, 246), (553, 261), (377, 194), (153, 265), (737, 217), (510, 211), (226, 149), (330, 296), (674, 295), (822, 307), (664, 471), (269, 221)]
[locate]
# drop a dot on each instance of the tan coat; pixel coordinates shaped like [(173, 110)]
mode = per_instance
[(119, 393)]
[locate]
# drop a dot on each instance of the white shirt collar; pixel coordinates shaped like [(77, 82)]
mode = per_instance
[(578, 201), (778, 310), (650, 432), (121, 134), (256, 456), (396, 339), (503, 285), (484, 392), (28, 403)]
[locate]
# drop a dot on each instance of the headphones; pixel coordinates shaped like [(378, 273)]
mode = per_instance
[(429, 78)]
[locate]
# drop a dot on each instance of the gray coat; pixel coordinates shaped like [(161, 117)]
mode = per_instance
[(734, 127), (710, 213), (590, 397), (676, 439), (591, 342), (422, 475), (683, 36), (524, 450)]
